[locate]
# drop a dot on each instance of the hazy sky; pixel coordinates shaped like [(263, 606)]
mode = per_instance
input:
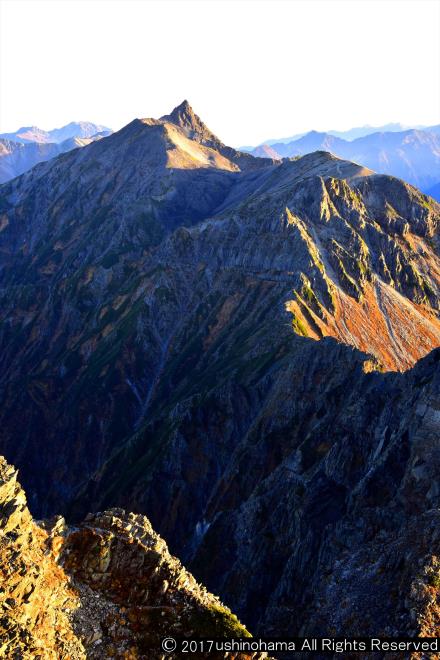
[(251, 69)]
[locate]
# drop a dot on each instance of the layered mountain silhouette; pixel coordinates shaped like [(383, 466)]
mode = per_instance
[(17, 157), (413, 155), (28, 146), (76, 129), (353, 133), (217, 340)]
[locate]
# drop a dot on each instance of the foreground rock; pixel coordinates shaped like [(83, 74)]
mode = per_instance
[(107, 589)]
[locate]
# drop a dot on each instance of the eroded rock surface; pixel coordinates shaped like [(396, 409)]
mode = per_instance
[(341, 536), (35, 595)]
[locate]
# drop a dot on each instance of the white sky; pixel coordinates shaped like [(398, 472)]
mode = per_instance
[(251, 69)]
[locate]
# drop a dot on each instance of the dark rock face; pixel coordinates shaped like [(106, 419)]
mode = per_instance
[(343, 533), (188, 335)]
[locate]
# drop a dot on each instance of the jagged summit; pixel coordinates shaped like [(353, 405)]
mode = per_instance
[(184, 116), (186, 119), (190, 144)]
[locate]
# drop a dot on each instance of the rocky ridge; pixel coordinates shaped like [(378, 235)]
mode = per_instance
[(106, 589)]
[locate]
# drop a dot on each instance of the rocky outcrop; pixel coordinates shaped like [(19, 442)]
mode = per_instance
[(106, 589), (35, 595), (193, 127)]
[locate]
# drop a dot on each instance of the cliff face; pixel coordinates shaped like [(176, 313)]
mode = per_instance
[(108, 588), (341, 531), (322, 487), (187, 333)]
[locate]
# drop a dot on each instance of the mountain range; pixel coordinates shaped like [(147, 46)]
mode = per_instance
[(246, 351), (18, 157), (30, 145), (413, 155), (76, 129), (410, 154), (353, 133)]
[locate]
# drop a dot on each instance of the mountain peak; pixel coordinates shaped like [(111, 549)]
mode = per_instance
[(183, 107), (184, 116)]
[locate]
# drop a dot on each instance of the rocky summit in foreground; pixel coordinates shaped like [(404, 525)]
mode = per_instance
[(106, 589)]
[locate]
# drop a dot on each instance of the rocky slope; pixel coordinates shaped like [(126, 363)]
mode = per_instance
[(178, 320), (106, 589)]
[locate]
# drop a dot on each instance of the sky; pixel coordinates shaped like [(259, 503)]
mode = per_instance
[(252, 69)]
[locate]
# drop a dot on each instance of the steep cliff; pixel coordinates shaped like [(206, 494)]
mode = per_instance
[(329, 511)]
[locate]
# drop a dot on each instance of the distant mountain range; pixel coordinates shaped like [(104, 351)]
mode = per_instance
[(353, 133), (76, 129), (16, 157), (28, 146), (412, 155)]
